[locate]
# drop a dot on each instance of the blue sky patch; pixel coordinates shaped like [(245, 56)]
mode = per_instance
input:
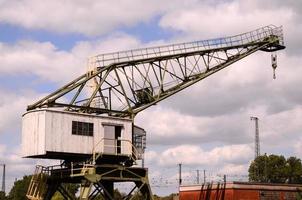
[(12, 34)]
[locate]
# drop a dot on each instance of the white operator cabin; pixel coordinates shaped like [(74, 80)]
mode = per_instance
[(61, 134)]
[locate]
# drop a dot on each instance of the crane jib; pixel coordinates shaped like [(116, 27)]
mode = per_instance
[(127, 82)]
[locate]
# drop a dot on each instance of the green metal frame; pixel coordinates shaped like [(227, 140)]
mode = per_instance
[(95, 179), (131, 81)]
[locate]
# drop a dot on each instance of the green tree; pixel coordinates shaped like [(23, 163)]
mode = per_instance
[(257, 169), (294, 170), (18, 191), (2, 196), (275, 169)]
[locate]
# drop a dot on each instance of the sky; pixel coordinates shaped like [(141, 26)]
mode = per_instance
[(45, 44)]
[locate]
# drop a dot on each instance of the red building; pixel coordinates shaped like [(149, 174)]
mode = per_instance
[(241, 191)]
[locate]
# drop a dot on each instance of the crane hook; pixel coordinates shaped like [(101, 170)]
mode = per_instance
[(274, 64)]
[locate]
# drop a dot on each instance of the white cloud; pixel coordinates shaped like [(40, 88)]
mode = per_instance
[(40, 59), (283, 126), (298, 147), (233, 169), (12, 106), (230, 17), (150, 155), (86, 17), (2, 149), (46, 62), (166, 126), (204, 20), (195, 155)]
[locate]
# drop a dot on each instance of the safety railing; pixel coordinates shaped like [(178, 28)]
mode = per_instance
[(108, 146), (258, 35), (82, 169)]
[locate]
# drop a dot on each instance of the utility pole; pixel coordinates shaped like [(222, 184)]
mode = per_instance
[(180, 179), (197, 178), (3, 179), (204, 176), (257, 142)]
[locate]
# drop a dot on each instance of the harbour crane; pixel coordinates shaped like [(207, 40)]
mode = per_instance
[(121, 84)]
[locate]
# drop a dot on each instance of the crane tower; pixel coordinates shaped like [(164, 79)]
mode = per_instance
[(3, 178), (94, 132), (257, 140)]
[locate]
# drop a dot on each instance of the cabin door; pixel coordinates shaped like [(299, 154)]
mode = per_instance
[(112, 139), (118, 137)]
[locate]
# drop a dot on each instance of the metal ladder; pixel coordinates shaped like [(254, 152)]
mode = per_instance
[(38, 184)]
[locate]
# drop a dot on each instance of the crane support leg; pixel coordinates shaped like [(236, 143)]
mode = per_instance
[(108, 189), (51, 190), (96, 180), (65, 193)]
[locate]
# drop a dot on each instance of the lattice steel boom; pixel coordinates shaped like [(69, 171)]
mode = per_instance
[(128, 82)]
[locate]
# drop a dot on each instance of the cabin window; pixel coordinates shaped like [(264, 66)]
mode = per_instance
[(82, 128)]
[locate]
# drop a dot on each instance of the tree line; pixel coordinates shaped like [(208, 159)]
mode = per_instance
[(276, 169)]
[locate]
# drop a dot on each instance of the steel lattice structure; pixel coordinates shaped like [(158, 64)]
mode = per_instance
[(257, 140), (127, 82)]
